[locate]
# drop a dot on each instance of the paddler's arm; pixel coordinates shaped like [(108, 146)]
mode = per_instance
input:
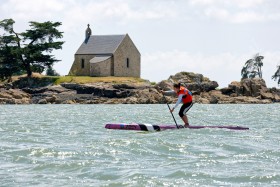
[(168, 93), (178, 101)]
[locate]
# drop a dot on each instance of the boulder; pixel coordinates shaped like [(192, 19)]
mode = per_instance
[(227, 91), (196, 83), (203, 101), (18, 94), (148, 95), (35, 90), (197, 88), (58, 89), (131, 100), (188, 77), (236, 87), (216, 96), (208, 86), (69, 102), (164, 85), (253, 87), (51, 99), (14, 96), (267, 95), (70, 86), (277, 98), (124, 86), (213, 100), (5, 95), (42, 101)]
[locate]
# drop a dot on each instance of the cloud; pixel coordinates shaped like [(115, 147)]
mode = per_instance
[(248, 16), (71, 12), (228, 3), (238, 11), (28, 9), (238, 17), (223, 68)]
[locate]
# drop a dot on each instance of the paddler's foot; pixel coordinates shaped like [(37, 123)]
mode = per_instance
[(187, 125)]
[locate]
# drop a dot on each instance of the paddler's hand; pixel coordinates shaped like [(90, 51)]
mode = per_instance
[(172, 110)]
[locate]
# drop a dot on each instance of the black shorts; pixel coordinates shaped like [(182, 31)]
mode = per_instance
[(185, 108)]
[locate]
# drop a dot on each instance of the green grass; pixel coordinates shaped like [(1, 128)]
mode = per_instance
[(87, 79), (39, 80)]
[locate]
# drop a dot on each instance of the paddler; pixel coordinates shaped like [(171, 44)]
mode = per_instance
[(185, 97)]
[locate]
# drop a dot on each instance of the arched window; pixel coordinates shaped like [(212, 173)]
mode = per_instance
[(127, 62), (83, 63)]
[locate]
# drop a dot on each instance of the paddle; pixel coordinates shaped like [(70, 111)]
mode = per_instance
[(170, 111)]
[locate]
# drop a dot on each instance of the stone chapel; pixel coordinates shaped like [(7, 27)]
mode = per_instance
[(106, 55)]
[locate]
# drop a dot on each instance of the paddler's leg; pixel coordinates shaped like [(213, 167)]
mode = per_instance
[(184, 109), (185, 120)]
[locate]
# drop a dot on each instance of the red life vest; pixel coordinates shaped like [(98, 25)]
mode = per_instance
[(187, 98)]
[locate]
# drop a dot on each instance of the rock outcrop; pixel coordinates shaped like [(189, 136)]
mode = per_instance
[(255, 88), (204, 91), (14, 96), (197, 83)]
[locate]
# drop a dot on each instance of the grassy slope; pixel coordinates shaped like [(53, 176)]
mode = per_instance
[(86, 79), (41, 80)]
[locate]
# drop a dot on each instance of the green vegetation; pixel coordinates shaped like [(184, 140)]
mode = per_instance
[(253, 67), (38, 80), (28, 51), (87, 79)]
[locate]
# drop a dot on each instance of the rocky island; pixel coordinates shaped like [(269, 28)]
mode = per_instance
[(38, 90)]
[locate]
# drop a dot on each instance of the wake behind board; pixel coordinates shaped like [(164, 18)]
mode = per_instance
[(150, 127)]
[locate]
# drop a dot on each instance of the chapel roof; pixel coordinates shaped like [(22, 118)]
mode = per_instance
[(100, 44)]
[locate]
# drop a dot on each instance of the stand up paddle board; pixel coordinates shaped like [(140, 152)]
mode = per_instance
[(150, 127)]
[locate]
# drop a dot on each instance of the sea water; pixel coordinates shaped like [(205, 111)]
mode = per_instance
[(67, 145)]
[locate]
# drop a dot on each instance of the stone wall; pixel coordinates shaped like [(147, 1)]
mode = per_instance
[(77, 69), (127, 49), (101, 69)]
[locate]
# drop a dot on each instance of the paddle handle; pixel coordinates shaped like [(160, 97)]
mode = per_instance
[(171, 112)]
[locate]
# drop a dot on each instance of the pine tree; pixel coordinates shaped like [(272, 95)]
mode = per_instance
[(29, 51), (253, 67)]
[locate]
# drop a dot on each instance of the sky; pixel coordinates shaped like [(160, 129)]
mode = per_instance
[(211, 37)]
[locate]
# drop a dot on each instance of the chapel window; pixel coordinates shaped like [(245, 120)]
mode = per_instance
[(83, 63), (127, 62)]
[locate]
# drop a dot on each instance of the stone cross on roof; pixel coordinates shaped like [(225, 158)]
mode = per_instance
[(88, 34)]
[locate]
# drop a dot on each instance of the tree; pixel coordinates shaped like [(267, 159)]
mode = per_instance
[(253, 67), (277, 75), (29, 51), (51, 72)]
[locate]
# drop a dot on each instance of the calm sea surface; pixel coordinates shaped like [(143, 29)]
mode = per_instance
[(67, 145)]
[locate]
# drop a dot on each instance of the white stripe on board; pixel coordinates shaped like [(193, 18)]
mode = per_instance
[(149, 127)]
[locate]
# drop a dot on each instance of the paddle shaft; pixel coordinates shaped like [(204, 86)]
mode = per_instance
[(171, 113)]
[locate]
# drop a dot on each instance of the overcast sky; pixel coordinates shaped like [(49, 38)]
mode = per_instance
[(211, 37)]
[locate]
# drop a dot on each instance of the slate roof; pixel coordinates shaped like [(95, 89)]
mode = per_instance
[(99, 59), (100, 44)]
